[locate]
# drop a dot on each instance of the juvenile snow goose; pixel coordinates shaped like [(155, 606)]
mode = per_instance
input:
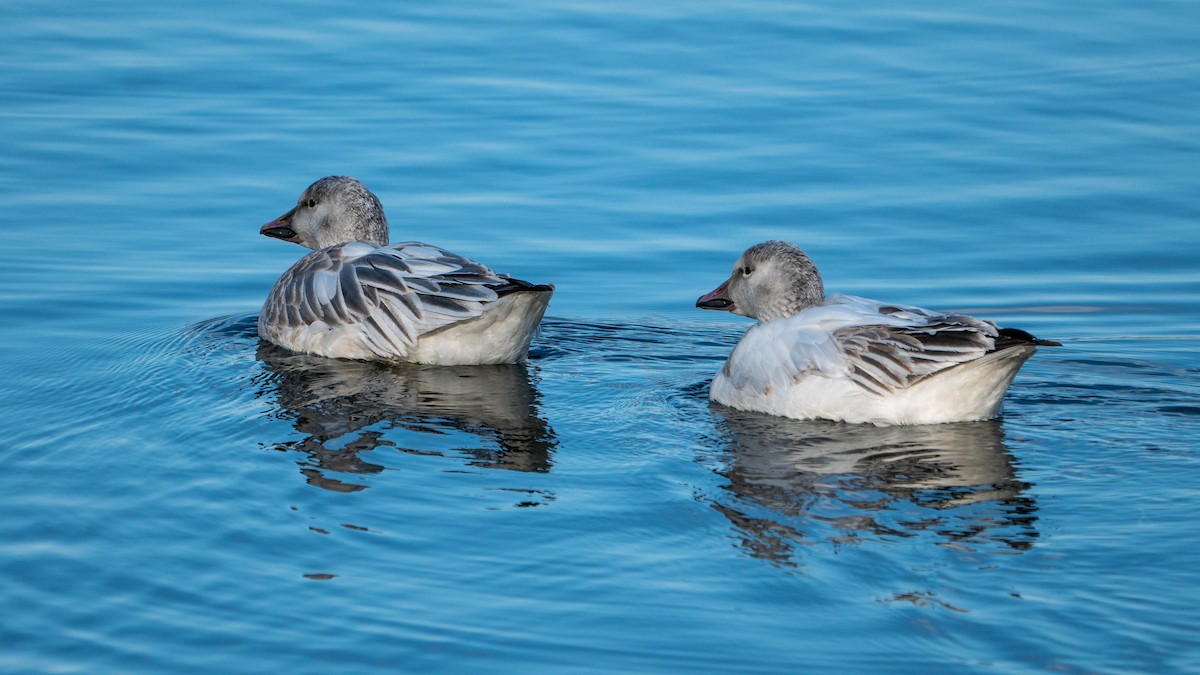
[(852, 359), (357, 297)]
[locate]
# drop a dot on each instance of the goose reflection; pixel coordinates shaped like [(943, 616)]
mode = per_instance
[(795, 483), (345, 408)]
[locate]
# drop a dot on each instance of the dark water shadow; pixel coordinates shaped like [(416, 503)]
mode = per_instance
[(345, 408), (794, 483)]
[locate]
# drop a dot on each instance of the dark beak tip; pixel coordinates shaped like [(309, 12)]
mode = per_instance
[(714, 303), (278, 232)]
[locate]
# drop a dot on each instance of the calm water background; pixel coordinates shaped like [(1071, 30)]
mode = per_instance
[(178, 497)]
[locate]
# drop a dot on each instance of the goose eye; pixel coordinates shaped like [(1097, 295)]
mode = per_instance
[(311, 202), (746, 270)]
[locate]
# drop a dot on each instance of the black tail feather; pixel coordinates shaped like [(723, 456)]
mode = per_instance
[(511, 286), (1011, 337)]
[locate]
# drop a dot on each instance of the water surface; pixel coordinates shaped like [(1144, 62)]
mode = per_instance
[(181, 497)]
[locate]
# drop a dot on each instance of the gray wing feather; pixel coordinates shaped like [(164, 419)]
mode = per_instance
[(884, 359), (393, 295)]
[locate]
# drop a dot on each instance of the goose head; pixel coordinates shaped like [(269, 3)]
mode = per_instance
[(771, 280), (333, 210)]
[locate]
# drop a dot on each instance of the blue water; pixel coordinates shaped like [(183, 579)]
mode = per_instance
[(178, 497)]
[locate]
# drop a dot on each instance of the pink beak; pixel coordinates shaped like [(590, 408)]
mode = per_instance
[(281, 228), (717, 299)]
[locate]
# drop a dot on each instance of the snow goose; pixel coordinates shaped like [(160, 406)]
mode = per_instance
[(852, 359), (357, 297)]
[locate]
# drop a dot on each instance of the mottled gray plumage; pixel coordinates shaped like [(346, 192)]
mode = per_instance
[(773, 280), (355, 296), (801, 284), (335, 210)]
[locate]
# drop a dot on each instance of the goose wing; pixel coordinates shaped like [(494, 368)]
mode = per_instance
[(884, 359), (878, 348), (892, 347), (387, 295)]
